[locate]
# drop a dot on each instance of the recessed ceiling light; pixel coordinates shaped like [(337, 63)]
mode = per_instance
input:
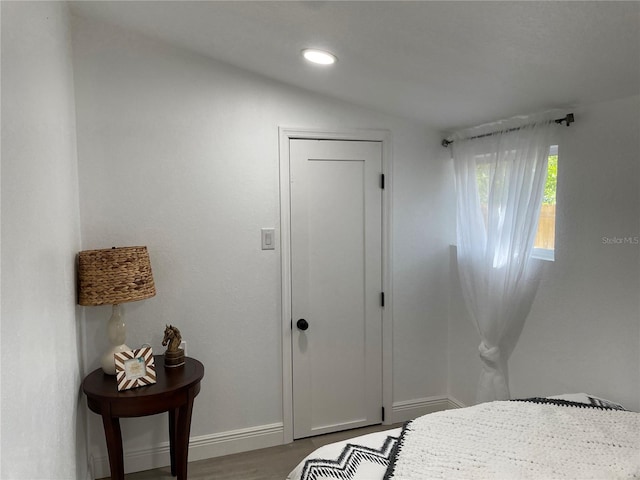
[(319, 56)]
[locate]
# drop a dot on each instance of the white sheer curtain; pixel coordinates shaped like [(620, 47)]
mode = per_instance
[(499, 182)]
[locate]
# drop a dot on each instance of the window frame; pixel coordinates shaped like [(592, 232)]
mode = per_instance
[(548, 254)]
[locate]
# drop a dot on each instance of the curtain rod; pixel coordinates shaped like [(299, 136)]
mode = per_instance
[(569, 119)]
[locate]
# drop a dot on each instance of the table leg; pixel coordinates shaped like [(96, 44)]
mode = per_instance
[(173, 418), (182, 437), (114, 446)]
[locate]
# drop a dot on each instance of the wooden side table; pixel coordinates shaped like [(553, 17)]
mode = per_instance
[(173, 392)]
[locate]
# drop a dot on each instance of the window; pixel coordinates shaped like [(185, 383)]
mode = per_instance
[(544, 244)]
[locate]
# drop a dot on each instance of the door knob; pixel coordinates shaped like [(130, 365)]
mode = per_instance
[(302, 324)]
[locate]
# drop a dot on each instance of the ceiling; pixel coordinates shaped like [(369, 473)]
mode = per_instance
[(445, 64)]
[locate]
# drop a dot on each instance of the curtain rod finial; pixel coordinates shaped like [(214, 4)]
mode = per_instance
[(569, 119)]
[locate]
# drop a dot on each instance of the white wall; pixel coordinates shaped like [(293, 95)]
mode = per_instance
[(43, 416), (583, 332), (180, 153)]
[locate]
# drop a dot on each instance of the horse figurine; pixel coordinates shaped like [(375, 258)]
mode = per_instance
[(174, 355), (172, 337)]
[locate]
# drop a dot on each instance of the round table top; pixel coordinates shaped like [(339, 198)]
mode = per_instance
[(99, 385)]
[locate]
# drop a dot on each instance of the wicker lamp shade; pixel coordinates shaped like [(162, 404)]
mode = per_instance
[(115, 275)]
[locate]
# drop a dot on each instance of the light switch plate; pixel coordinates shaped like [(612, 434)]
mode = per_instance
[(268, 236)]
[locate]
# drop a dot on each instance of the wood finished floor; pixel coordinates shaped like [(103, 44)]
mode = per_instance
[(272, 463)]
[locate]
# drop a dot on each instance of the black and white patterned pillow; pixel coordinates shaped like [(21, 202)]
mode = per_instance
[(575, 400)]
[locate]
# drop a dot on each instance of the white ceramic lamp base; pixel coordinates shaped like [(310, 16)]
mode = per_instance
[(107, 362), (117, 332)]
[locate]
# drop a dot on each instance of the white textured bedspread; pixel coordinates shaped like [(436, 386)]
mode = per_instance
[(520, 440)]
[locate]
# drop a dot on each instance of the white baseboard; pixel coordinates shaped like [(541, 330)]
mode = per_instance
[(200, 448), (410, 409), (455, 403)]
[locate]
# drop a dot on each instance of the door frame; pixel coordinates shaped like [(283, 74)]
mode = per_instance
[(384, 136)]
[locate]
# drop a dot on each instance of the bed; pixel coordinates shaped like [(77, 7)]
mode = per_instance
[(575, 436)]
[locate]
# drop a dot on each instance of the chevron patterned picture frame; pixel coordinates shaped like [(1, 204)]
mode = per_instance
[(135, 368)]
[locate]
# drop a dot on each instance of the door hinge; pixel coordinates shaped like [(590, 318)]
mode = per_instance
[(382, 181), (382, 299), (292, 324), (383, 414)]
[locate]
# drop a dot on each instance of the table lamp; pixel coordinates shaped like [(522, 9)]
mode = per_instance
[(110, 277)]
